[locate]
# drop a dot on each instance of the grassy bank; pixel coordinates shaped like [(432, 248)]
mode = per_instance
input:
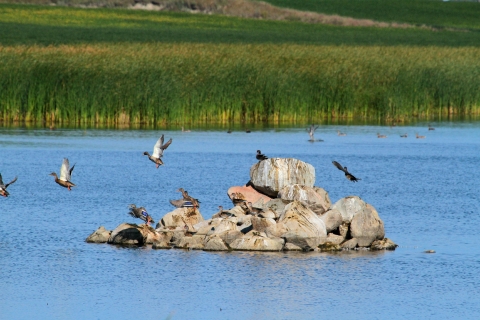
[(120, 66)]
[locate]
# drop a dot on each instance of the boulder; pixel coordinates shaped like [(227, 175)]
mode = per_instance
[(329, 247), (277, 206), (332, 219), (100, 235), (343, 230), (260, 224), (215, 243), (271, 175), (268, 214), (229, 236), (350, 244), (181, 216), (206, 228), (367, 226), (128, 234), (334, 238), (193, 242), (224, 225), (305, 228), (385, 244), (255, 242), (291, 247), (349, 207), (277, 230), (315, 198), (249, 194), (161, 245)]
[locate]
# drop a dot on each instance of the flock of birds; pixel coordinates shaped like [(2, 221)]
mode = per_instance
[(186, 201)]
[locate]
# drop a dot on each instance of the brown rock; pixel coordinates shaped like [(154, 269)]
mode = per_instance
[(384, 244), (260, 224), (350, 244), (161, 245), (334, 238), (250, 194)]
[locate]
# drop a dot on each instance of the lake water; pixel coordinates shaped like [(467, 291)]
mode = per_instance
[(426, 192)]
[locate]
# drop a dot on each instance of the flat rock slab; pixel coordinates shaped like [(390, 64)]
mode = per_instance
[(249, 194), (256, 243), (271, 175)]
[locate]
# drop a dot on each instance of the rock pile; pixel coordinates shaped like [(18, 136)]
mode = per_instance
[(280, 209)]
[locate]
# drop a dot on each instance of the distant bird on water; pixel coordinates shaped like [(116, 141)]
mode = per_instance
[(419, 137), (381, 135), (186, 130), (430, 127), (404, 136), (311, 132), (3, 187), (158, 151), (348, 175), (65, 175), (140, 213), (229, 131), (260, 156), (341, 134)]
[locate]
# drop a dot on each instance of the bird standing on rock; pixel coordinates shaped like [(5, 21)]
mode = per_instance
[(261, 156), (348, 175), (65, 175), (186, 197), (3, 187), (140, 213), (158, 151)]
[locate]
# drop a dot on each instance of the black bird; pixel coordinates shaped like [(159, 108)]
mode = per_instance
[(261, 156), (348, 175), (140, 213)]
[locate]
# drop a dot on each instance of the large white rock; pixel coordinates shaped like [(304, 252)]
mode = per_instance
[(305, 228), (315, 198), (271, 175), (367, 226), (349, 207)]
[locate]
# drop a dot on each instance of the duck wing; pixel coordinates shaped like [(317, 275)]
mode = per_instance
[(65, 170), (11, 182), (157, 151), (177, 203), (339, 166), (165, 146), (1, 181)]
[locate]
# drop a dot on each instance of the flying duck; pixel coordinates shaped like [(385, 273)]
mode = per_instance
[(348, 175), (158, 151), (140, 213), (311, 131), (261, 156), (3, 187), (65, 175)]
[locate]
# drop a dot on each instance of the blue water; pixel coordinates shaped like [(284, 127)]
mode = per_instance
[(426, 192)]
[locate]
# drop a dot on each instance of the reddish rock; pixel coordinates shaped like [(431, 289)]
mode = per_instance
[(250, 194)]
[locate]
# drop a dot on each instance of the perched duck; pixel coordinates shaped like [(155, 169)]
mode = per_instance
[(65, 175), (140, 213), (404, 135), (341, 134), (3, 187), (419, 137), (348, 175), (311, 132), (158, 151), (381, 135), (430, 127), (222, 213), (261, 156), (187, 198)]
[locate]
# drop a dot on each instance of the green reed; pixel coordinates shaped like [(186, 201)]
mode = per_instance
[(204, 83)]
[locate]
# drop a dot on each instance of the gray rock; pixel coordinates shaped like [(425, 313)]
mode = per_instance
[(349, 207), (291, 247), (215, 243), (305, 228), (367, 226), (271, 175), (318, 202), (277, 206), (251, 242), (260, 224), (278, 230), (332, 219), (177, 237), (100, 235), (181, 217), (350, 244), (385, 244)]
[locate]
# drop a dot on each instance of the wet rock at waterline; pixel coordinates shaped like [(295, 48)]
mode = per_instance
[(180, 217), (271, 175), (100, 235), (367, 226), (132, 234)]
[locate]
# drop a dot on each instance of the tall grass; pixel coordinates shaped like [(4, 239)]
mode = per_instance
[(198, 83)]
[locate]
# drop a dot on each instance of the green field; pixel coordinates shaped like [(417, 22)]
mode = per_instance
[(119, 66)]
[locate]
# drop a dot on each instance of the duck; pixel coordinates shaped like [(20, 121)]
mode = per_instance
[(140, 213), (158, 151), (65, 175), (248, 130), (348, 175), (229, 131), (3, 187), (341, 134), (430, 127), (221, 213), (187, 198), (404, 135), (419, 137), (311, 132), (260, 156), (185, 130), (253, 210), (381, 135), (237, 198)]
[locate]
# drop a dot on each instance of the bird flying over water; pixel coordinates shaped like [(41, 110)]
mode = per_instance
[(311, 131), (348, 175), (65, 175), (3, 187), (158, 151), (140, 213), (261, 156)]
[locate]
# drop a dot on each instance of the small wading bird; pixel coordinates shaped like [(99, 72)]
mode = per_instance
[(261, 156), (311, 132), (381, 135), (140, 213), (65, 175), (341, 134), (158, 151), (3, 187), (419, 137), (348, 175), (404, 135)]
